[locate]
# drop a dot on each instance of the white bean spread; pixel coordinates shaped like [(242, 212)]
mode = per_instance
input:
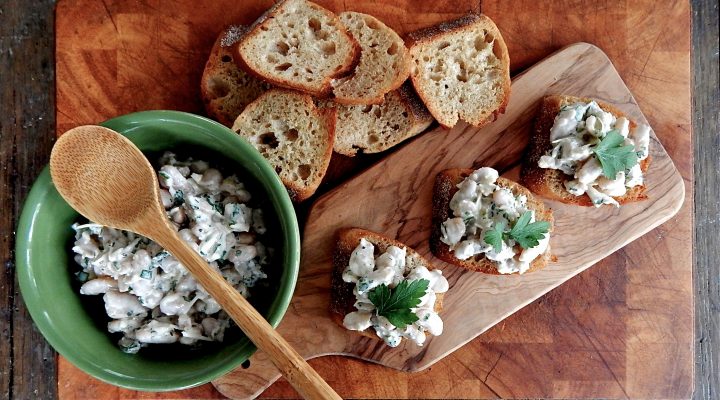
[(598, 150), (489, 220), (148, 294), (391, 276)]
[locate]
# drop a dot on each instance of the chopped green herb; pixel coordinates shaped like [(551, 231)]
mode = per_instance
[(469, 220), (82, 276), (363, 284), (178, 197), (395, 304), (613, 155)]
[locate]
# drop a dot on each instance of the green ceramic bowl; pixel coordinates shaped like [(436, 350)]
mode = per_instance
[(75, 325)]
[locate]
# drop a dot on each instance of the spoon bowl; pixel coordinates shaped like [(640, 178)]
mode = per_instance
[(103, 176)]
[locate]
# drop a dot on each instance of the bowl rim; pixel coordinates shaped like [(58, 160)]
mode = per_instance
[(126, 124)]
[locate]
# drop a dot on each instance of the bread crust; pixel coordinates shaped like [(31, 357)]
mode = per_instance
[(549, 183), (297, 193), (439, 32), (420, 115), (342, 299), (221, 108), (445, 187), (418, 120), (401, 76), (326, 116), (351, 61)]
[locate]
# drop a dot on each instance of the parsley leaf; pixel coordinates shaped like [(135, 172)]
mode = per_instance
[(395, 304), (527, 234), (495, 237), (613, 156)]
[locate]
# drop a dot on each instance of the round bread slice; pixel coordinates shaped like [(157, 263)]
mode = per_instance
[(384, 61), (550, 183), (225, 88), (461, 70), (376, 128), (445, 187), (299, 45), (293, 135), (342, 298)]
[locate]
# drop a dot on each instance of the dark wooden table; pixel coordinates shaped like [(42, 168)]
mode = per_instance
[(27, 79)]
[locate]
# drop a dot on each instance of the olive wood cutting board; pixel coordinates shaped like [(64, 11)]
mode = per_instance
[(394, 197)]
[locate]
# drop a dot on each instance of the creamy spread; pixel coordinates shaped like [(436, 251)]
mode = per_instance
[(390, 268), (576, 130), (148, 294), (479, 206)]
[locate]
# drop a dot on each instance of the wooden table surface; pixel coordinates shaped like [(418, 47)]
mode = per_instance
[(27, 129)]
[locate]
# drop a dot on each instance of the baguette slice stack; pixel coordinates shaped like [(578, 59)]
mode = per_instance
[(461, 70), (356, 64), (550, 183), (293, 135), (342, 298), (445, 187)]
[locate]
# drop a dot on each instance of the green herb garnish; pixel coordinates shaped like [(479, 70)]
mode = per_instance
[(395, 304), (495, 237), (613, 156), (526, 234)]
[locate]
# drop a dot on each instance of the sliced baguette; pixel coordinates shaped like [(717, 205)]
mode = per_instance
[(342, 298), (461, 70), (550, 183), (384, 61), (376, 128), (293, 135), (225, 88), (299, 45), (445, 187)]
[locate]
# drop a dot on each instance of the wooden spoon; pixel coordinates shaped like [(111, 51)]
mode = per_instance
[(103, 176)]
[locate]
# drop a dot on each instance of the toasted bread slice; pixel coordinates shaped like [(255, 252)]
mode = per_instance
[(342, 298), (461, 70), (293, 135), (550, 183), (445, 187), (225, 88), (376, 128), (299, 45), (384, 61)]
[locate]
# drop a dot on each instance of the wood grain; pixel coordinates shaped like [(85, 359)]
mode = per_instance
[(111, 50), (707, 206), (26, 133), (400, 208)]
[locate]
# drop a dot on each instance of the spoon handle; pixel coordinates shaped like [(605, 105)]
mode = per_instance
[(293, 367)]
